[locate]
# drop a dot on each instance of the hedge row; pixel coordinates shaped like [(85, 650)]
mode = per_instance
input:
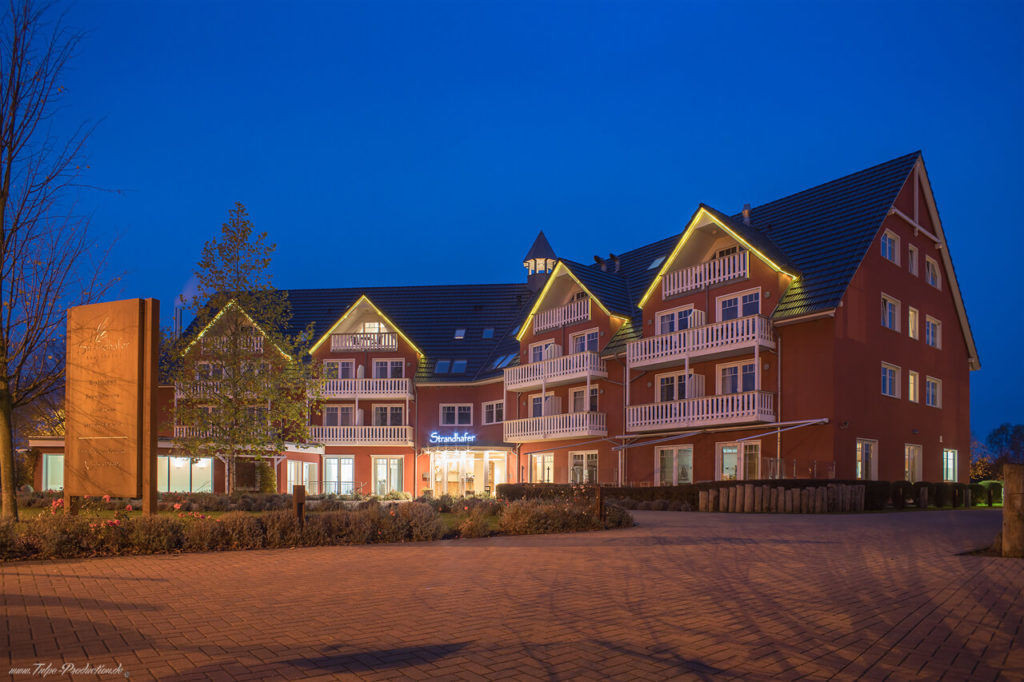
[(878, 495)]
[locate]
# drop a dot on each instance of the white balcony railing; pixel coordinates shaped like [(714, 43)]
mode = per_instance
[(720, 338), (712, 410), (570, 313), (190, 432), (556, 426), (555, 371), (733, 266), (202, 388), (250, 343), (361, 435), (364, 341), (368, 388)]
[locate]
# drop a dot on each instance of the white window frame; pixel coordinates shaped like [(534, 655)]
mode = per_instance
[(544, 345), (897, 312), (913, 386), (738, 295), (928, 260), (585, 455), (895, 382), (895, 246), (675, 384), (929, 320), (584, 334), (659, 473), (740, 364), (672, 314), (389, 483), (594, 393), (390, 362), (915, 475), (547, 460), (938, 392), (389, 406), (949, 473), (913, 322), (872, 473), (340, 483), (351, 364), (548, 399), (913, 259), (493, 404), (440, 414), (741, 459)]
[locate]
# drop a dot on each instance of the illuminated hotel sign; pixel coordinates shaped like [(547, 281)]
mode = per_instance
[(464, 437)]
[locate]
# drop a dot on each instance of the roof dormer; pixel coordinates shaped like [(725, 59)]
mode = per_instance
[(363, 327)]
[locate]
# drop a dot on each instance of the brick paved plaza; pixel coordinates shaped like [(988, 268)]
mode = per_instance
[(686, 596)]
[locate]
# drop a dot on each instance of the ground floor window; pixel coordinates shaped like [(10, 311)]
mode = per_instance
[(303, 473), (387, 475), (583, 467), (543, 469), (867, 459), (949, 465), (737, 461), (184, 474), (674, 466), (53, 472), (468, 472), (339, 475), (912, 463)]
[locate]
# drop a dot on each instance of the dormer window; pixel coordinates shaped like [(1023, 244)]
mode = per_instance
[(488, 333), (442, 366), (460, 333), (656, 262), (459, 367)]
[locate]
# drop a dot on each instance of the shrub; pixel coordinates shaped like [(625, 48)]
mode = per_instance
[(901, 491), (58, 536), (993, 492), (155, 534), (617, 517), (282, 529), (242, 531), (943, 495), (204, 534), (977, 494), (527, 517), (9, 543), (475, 524)]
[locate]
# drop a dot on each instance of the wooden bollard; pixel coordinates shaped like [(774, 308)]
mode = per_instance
[(759, 499), (922, 497), (821, 506), (780, 500), (788, 501), (748, 498), (702, 500), (1013, 510), (299, 503), (713, 500), (861, 491), (737, 505), (723, 499)]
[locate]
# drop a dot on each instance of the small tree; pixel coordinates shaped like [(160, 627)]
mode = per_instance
[(1006, 444), (242, 387), (982, 466)]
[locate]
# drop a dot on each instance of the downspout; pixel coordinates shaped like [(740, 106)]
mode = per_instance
[(778, 415)]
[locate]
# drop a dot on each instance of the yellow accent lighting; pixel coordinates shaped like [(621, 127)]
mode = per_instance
[(209, 326), (544, 292), (384, 317)]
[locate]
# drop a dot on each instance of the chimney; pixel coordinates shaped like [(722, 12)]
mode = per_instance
[(614, 261), (746, 214), (604, 265)]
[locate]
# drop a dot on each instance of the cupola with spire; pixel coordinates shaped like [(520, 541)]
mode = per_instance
[(539, 261)]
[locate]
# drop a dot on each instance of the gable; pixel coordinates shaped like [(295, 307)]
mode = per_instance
[(355, 320), (564, 282)]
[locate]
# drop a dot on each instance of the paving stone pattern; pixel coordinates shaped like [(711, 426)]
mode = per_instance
[(681, 596)]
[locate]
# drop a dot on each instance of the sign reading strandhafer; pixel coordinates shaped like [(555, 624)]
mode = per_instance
[(464, 437), (104, 399)]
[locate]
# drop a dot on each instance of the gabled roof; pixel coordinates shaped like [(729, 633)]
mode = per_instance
[(198, 334), (541, 249), (359, 301), (613, 298)]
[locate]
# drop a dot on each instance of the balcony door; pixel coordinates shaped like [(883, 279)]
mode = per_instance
[(542, 469), (674, 466), (737, 461), (912, 463)]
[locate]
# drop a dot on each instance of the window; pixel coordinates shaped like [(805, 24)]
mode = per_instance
[(373, 328), (388, 415), (673, 386), (932, 332), (388, 369), (727, 251), (184, 474), (866, 460), (890, 313), (503, 360), (544, 405), (494, 412), (913, 386), (579, 402), (488, 333), (53, 472), (339, 475), (584, 341), (339, 369), (387, 475), (912, 259), (931, 272), (675, 320), (912, 463), (456, 415), (583, 467), (460, 333), (890, 380), (543, 469), (674, 466), (932, 392), (949, 472), (891, 247), (737, 461), (459, 367), (656, 262), (736, 378), (542, 350), (739, 305), (912, 322), (442, 366), (303, 473)]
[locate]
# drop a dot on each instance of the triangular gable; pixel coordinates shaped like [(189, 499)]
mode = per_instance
[(211, 323), (919, 176), (360, 301), (560, 269), (743, 235)]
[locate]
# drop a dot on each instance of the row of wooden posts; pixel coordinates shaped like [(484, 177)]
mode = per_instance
[(834, 497)]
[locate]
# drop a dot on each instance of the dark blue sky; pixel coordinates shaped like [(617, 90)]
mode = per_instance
[(427, 142)]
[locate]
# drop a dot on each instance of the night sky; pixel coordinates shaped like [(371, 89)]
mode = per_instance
[(384, 143)]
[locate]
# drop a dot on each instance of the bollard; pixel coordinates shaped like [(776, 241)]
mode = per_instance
[(600, 504), (1013, 510), (702, 497), (299, 503)]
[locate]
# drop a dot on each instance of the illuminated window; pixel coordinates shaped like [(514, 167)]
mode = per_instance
[(737, 461), (932, 332), (912, 259), (913, 386), (890, 380), (53, 472), (387, 475), (460, 333), (184, 475), (890, 313), (891, 247), (674, 466), (583, 467), (912, 322), (543, 469), (866, 460), (339, 475), (949, 465)]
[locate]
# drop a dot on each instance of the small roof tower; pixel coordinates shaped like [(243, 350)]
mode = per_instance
[(539, 261)]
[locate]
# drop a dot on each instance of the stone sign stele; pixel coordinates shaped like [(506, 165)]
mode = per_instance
[(110, 401)]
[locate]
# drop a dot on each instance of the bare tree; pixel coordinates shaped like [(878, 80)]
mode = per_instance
[(45, 250)]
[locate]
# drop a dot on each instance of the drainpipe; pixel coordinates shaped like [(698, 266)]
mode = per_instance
[(778, 405)]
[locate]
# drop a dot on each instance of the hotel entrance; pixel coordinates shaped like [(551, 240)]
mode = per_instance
[(471, 471)]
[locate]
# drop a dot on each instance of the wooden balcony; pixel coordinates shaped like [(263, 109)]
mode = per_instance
[(367, 388), (713, 410), (714, 271), (708, 342), (361, 435), (556, 426), (570, 313), (341, 343), (566, 369)]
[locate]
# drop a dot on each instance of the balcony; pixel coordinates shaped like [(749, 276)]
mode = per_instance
[(712, 410), (556, 371), (197, 389), (708, 342), (714, 271), (570, 313), (364, 341), (190, 432), (361, 435), (249, 343), (555, 426), (367, 388)]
